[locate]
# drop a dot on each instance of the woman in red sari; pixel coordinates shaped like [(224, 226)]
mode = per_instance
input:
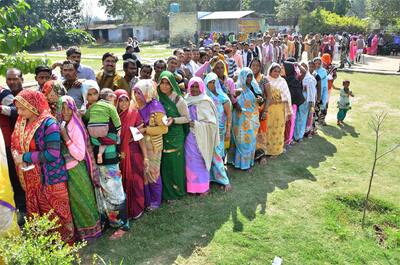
[(133, 155), (40, 166)]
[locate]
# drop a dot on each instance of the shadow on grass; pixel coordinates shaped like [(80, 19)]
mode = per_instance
[(339, 132), (180, 229)]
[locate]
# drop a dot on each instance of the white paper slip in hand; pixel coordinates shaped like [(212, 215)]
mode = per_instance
[(165, 120), (28, 167), (136, 134)]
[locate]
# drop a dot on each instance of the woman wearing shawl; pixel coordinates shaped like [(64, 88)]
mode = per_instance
[(8, 216), (304, 108), (261, 146), (152, 113), (40, 166), (202, 138), (245, 122), (310, 84), (173, 159), (133, 153), (53, 90), (296, 93), (221, 101), (79, 168), (279, 111)]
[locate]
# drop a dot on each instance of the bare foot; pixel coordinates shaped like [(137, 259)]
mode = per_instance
[(99, 159), (263, 161), (117, 234), (227, 188)]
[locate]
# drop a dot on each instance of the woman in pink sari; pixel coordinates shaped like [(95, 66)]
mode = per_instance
[(353, 49), (373, 50)]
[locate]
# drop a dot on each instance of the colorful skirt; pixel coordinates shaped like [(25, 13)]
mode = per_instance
[(173, 174), (83, 203), (218, 172)]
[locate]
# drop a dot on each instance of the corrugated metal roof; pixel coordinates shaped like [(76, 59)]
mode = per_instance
[(102, 26), (227, 15)]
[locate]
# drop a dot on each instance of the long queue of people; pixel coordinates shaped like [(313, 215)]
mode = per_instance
[(101, 150)]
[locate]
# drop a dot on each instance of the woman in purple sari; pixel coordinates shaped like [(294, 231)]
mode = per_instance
[(202, 138), (153, 115)]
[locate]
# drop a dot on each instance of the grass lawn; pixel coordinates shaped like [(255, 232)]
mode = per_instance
[(297, 207)]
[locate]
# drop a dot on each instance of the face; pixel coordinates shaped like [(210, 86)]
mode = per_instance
[(69, 72), (251, 46), (92, 96), (139, 98), (145, 73), (255, 67), (187, 56), (234, 48), (317, 64), (219, 69), (196, 56), (66, 112), (209, 53), (24, 112), (195, 89), (52, 97), (311, 67), (131, 70), (346, 84), (158, 68), (204, 59), (246, 47), (216, 48), (211, 85), (123, 104), (42, 77), (76, 57), (14, 82), (109, 64), (180, 56), (165, 87), (249, 79), (275, 72), (172, 65)]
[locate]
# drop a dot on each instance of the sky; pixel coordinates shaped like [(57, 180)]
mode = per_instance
[(94, 9)]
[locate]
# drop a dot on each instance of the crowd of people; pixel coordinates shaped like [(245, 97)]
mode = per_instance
[(100, 150)]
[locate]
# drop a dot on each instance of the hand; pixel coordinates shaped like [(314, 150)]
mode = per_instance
[(238, 92), (264, 115), (191, 124), (122, 155), (55, 65), (64, 134), (18, 159), (77, 83), (237, 107), (259, 100), (228, 136), (289, 117), (214, 60), (145, 163), (170, 121), (141, 128)]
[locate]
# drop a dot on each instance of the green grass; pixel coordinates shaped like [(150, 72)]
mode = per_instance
[(289, 207)]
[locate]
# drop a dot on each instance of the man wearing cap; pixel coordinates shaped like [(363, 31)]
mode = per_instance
[(267, 53), (84, 72)]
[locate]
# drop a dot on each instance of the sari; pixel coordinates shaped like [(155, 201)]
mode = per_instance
[(79, 167), (131, 164), (278, 111), (173, 159), (201, 140), (152, 114), (245, 123), (218, 173), (46, 184), (53, 90), (373, 50)]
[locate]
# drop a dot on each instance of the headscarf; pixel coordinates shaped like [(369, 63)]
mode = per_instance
[(76, 124), (146, 90), (58, 88), (129, 118), (295, 85), (206, 124), (241, 83), (326, 59), (280, 84), (23, 133), (169, 105), (86, 85), (220, 60), (221, 97)]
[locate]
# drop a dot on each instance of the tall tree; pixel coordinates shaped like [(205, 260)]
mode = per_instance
[(358, 8), (290, 11), (385, 11), (341, 7)]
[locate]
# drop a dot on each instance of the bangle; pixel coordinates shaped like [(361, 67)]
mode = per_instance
[(68, 143)]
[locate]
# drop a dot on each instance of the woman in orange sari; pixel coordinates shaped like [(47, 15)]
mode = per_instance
[(261, 146), (35, 145)]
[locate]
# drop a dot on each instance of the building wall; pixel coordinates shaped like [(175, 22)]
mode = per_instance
[(115, 35), (225, 25), (182, 26)]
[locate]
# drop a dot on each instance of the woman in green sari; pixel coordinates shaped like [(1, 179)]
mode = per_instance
[(173, 159)]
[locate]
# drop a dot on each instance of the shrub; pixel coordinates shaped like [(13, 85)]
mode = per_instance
[(321, 20), (39, 244), (20, 61), (77, 37)]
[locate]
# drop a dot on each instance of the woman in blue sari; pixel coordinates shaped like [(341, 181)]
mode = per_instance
[(245, 123), (222, 103)]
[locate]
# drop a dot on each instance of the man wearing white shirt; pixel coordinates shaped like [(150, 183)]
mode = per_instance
[(267, 53), (247, 55)]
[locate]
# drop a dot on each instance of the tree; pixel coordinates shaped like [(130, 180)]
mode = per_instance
[(14, 39), (341, 7), (291, 11), (358, 8), (384, 11)]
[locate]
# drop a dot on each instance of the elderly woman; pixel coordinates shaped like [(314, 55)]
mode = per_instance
[(245, 122), (222, 103), (40, 165), (173, 159), (202, 138), (153, 129), (279, 111), (53, 90), (80, 170), (133, 155)]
